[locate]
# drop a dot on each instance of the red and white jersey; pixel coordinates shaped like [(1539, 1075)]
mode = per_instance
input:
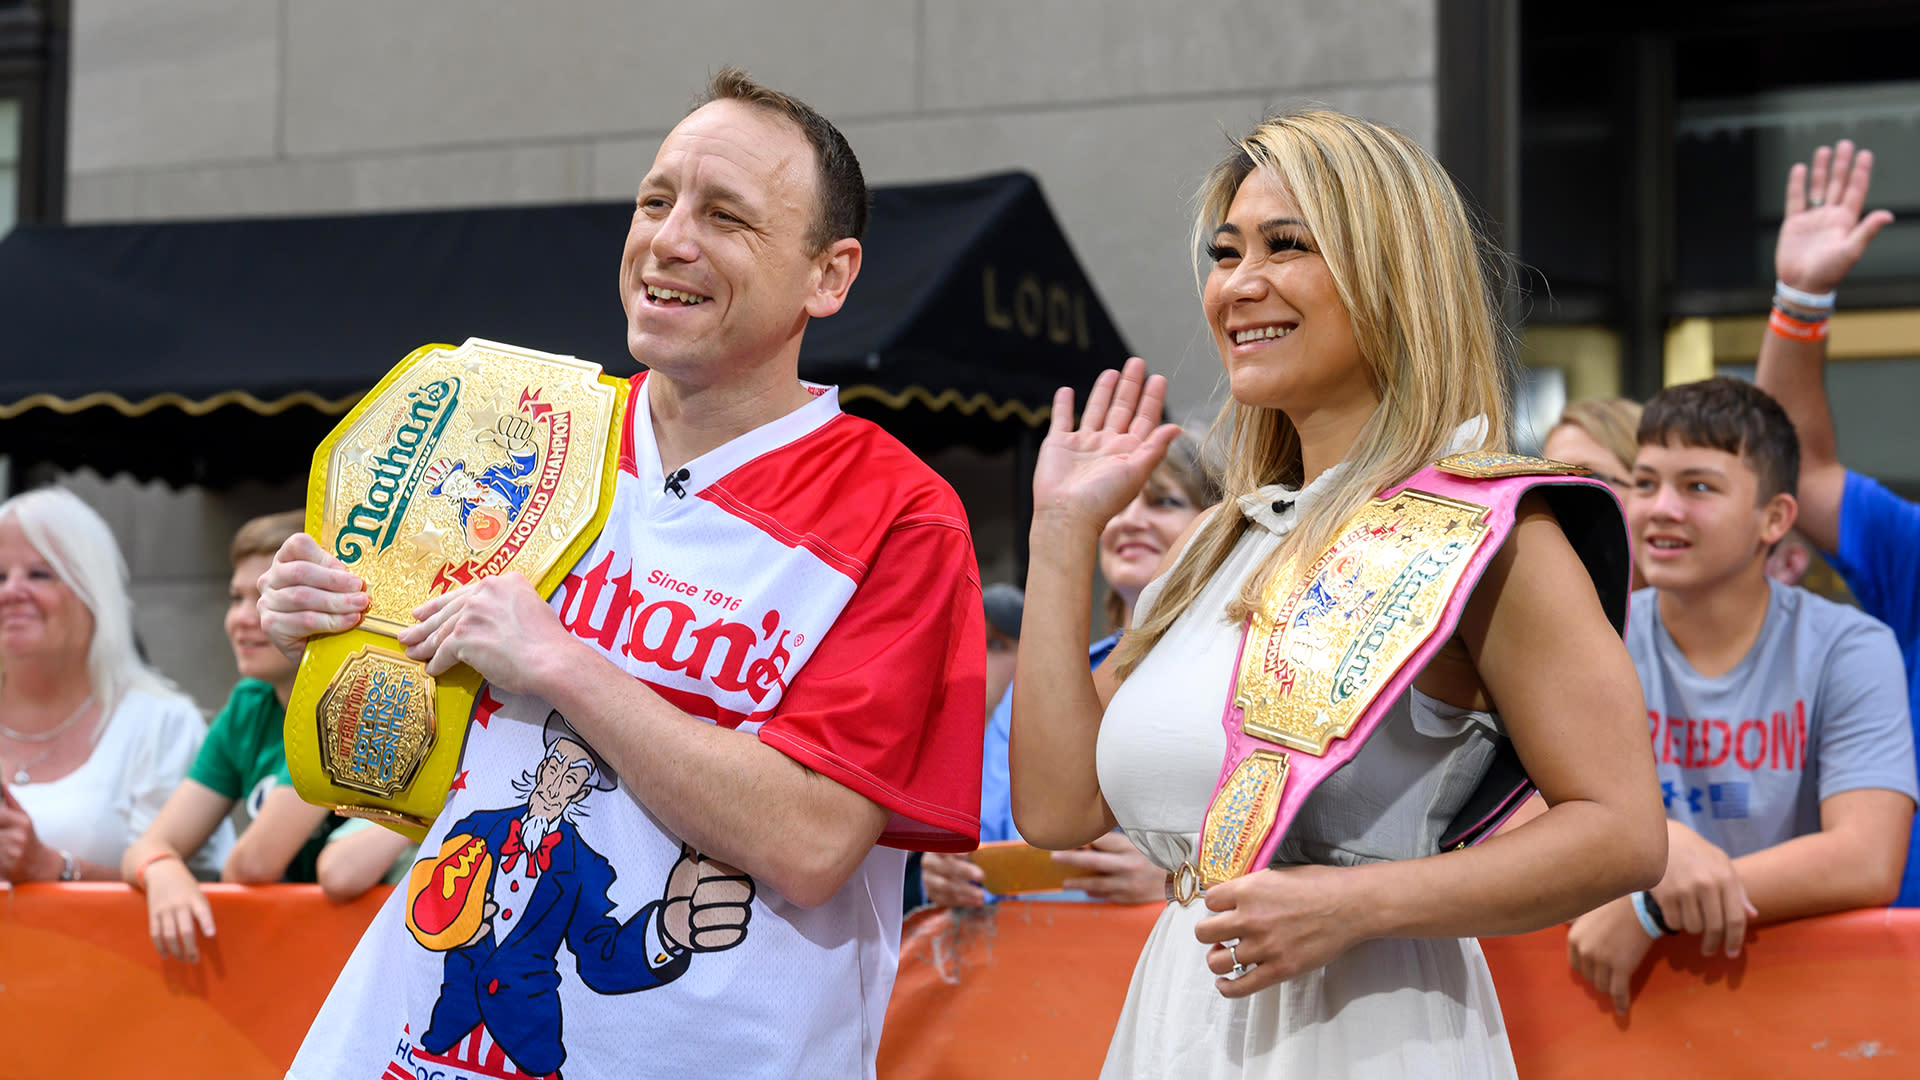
[(812, 582)]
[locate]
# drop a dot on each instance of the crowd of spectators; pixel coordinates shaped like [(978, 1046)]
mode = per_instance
[(1780, 722), (111, 773)]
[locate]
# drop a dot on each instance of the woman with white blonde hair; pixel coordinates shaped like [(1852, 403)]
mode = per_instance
[(1333, 685), (92, 741)]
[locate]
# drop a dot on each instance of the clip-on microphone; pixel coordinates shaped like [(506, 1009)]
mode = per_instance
[(674, 482)]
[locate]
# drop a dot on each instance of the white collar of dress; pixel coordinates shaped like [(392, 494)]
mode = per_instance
[(1276, 507)]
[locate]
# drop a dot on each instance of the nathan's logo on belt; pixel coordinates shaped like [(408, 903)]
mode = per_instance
[(461, 464), (1314, 656), (1314, 615), (1428, 569), (397, 471), (1329, 649)]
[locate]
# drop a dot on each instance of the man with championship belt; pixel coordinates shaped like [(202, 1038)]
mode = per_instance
[(698, 768)]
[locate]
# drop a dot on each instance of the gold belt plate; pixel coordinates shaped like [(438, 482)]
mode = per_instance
[(1241, 816), (461, 464), (1317, 654), (474, 461), (376, 721)]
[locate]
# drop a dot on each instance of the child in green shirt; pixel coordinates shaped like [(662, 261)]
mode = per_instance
[(242, 759)]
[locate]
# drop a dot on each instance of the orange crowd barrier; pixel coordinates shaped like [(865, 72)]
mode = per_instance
[(1033, 989), (1818, 997), (1019, 990), (83, 993)]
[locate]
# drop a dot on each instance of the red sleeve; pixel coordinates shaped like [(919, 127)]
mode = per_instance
[(893, 702)]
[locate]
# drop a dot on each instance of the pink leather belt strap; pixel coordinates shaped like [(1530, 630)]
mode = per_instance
[(1390, 590)]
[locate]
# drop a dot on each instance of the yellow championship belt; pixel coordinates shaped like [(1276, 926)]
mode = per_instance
[(461, 464)]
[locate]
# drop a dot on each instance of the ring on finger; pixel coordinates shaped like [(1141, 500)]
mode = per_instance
[(1815, 202), (1239, 968)]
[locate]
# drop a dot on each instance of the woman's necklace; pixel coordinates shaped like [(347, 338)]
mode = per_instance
[(20, 773)]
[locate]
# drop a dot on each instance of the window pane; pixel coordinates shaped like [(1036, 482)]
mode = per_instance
[(1539, 399), (1732, 158), (9, 162), (1568, 163)]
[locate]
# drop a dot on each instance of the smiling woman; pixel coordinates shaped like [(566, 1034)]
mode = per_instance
[(1318, 690), (1135, 542), (91, 740)]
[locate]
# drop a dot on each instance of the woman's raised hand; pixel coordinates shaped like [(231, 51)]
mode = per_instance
[(1087, 474)]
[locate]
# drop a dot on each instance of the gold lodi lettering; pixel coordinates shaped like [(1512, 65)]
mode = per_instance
[(996, 318), (1029, 305), (1059, 315)]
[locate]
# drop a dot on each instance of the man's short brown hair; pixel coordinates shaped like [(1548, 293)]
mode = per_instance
[(264, 535), (843, 190), (1732, 415)]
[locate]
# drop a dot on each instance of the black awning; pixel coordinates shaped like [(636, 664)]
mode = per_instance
[(971, 309), (213, 352)]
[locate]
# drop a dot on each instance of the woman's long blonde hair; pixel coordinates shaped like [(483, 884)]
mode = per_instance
[(1418, 284)]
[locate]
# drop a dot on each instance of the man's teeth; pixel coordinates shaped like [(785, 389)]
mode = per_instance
[(674, 294), (1258, 333), (1667, 544)]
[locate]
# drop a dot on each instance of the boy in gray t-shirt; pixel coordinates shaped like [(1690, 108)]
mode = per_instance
[(1747, 757), (1778, 719)]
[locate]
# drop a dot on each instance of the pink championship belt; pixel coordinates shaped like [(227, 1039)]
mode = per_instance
[(1320, 665)]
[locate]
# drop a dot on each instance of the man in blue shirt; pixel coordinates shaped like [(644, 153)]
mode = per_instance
[(1870, 533)]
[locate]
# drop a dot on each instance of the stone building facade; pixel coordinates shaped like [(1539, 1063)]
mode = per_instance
[(235, 108)]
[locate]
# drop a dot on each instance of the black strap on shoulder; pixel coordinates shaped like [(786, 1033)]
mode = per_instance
[(1590, 517)]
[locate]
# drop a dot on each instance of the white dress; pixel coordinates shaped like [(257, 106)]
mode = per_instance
[(139, 756), (1387, 1008)]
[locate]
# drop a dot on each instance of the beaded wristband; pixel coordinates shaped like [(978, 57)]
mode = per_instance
[(1801, 298), (1646, 918), (1798, 329)]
